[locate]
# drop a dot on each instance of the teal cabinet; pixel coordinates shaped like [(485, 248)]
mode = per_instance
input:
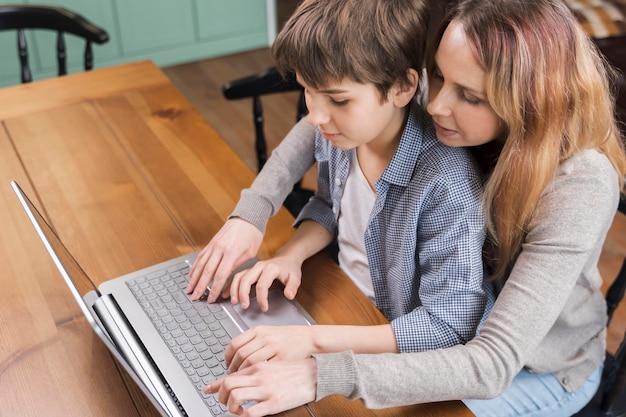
[(217, 27), (165, 31), (144, 27)]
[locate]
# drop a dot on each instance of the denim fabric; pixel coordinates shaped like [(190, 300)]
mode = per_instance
[(537, 395)]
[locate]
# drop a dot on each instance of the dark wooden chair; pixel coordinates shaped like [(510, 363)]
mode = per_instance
[(614, 49), (27, 17), (255, 87), (605, 23), (610, 400)]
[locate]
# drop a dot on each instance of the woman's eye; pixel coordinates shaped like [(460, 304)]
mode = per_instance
[(437, 76), (474, 101)]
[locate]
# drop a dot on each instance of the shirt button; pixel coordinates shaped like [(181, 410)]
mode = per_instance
[(337, 181)]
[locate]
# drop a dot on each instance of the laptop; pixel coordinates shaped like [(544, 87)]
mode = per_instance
[(170, 346)]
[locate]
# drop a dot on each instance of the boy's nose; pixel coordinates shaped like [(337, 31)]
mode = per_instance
[(317, 116)]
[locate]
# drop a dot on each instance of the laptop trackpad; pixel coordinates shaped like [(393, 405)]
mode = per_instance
[(281, 312)]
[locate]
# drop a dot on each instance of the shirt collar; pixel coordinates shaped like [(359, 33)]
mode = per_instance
[(418, 133)]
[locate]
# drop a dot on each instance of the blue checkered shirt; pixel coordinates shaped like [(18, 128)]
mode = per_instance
[(424, 237)]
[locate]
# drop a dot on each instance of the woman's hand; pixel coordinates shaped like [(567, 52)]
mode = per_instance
[(235, 243), (263, 343), (275, 386)]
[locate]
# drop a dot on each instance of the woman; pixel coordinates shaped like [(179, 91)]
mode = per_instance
[(550, 200)]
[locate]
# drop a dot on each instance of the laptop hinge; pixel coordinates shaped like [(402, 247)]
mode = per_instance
[(134, 353)]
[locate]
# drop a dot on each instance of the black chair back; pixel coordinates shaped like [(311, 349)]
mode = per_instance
[(255, 87), (61, 20)]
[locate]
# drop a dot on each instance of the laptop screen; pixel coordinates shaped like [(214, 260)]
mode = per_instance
[(76, 279)]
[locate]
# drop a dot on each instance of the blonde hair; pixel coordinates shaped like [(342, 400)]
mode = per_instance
[(367, 41), (552, 88)]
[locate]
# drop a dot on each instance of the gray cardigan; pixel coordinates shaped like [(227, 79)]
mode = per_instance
[(289, 161), (550, 317)]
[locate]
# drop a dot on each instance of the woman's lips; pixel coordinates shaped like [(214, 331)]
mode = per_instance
[(443, 131)]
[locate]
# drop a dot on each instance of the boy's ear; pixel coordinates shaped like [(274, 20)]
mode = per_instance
[(403, 93)]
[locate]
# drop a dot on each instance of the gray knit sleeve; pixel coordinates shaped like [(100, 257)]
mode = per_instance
[(336, 374), (288, 163)]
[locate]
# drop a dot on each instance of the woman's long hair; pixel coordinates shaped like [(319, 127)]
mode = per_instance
[(552, 88)]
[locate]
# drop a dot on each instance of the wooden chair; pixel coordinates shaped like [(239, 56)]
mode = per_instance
[(255, 87), (610, 400), (605, 23), (26, 17)]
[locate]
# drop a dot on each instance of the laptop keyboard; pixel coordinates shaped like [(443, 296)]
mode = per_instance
[(197, 333)]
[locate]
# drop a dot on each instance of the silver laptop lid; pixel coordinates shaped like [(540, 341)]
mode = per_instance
[(141, 355), (76, 279), (82, 288)]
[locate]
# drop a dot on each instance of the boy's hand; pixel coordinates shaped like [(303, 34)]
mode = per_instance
[(286, 269), (235, 243), (263, 343)]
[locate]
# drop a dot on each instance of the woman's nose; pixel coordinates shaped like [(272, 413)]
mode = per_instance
[(438, 102)]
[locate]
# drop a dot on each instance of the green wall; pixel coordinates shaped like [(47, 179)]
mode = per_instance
[(166, 31)]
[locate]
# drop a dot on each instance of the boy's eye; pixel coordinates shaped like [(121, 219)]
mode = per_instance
[(338, 103)]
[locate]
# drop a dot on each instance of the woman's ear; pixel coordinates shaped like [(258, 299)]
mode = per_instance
[(402, 93)]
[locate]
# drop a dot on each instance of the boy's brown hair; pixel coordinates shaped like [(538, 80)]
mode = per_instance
[(366, 41)]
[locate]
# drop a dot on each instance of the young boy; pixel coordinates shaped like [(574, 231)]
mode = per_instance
[(405, 209)]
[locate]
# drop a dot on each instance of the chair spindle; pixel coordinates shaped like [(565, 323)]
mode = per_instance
[(88, 56), (61, 54), (23, 54), (259, 144)]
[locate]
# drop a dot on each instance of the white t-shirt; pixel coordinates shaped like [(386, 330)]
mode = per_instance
[(357, 203)]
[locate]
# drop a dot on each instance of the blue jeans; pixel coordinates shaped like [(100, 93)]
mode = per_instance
[(537, 395)]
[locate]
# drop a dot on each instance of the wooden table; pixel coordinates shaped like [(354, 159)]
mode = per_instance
[(129, 174)]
